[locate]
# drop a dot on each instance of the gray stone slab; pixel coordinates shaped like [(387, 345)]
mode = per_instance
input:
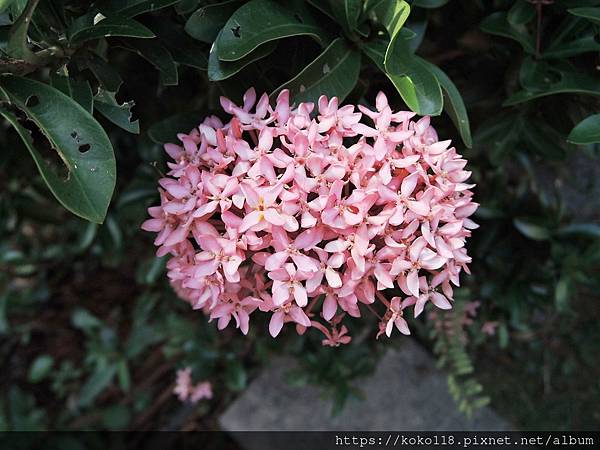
[(406, 392)]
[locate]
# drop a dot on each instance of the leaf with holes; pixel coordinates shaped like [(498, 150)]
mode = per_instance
[(87, 28), (207, 21), (453, 103), (220, 70), (106, 104), (333, 73), (79, 140), (260, 21), (586, 132), (78, 90)]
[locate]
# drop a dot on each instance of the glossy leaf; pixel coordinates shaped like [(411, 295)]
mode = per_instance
[(345, 12), (106, 103), (392, 15), (78, 139), (220, 70), (453, 104), (17, 46), (207, 21), (586, 132), (417, 85), (498, 24), (106, 74), (78, 90), (581, 44), (590, 13), (40, 368), (333, 73), (260, 21), (87, 28)]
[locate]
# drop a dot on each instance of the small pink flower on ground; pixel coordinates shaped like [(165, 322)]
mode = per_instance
[(312, 213)]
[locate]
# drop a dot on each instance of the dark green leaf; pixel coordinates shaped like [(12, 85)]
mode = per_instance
[(89, 27), (333, 73), (561, 294), (106, 74), (430, 4), (345, 12), (586, 132), (17, 47), (235, 376), (79, 140), (590, 13), (520, 13), (157, 55), (584, 43), (543, 139), (532, 230), (207, 21), (543, 79), (498, 24), (584, 229), (453, 104), (106, 103), (392, 15), (84, 320), (116, 417), (166, 130), (99, 381), (260, 21), (220, 70), (40, 368), (184, 49), (78, 90), (131, 8)]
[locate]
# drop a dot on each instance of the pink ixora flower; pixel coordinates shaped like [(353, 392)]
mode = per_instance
[(187, 391), (310, 214)]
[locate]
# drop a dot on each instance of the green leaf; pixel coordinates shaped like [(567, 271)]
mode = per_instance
[(235, 376), (521, 12), (333, 73), (220, 70), (99, 381), (561, 294), (532, 230), (584, 43), (429, 4), (184, 49), (131, 8), (166, 130), (106, 103), (78, 90), (157, 55), (590, 13), (544, 80), (106, 74), (585, 229), (40, 368), (498, 24), (79, 140), (84, 320), (207, 21), (260, 21), (95, 26), (417, 85), (453, 104), (392, 15), (586, 132), (116, 417), (4, 4), (345, 12)]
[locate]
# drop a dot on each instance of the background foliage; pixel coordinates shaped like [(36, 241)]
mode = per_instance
[(90, 332)]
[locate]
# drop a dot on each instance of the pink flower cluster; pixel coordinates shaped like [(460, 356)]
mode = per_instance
[(311, 216), (187, 391)]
